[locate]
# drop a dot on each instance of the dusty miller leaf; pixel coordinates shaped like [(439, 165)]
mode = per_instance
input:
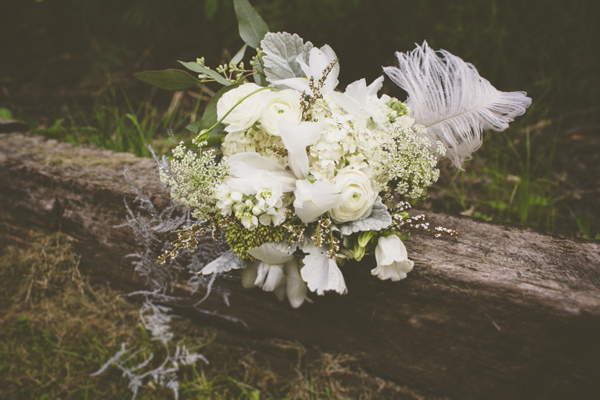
[(281, 50), (379, 219)]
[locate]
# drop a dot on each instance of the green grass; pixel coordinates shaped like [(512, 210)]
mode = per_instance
[(518, 176), (56, 329), (117, 123)]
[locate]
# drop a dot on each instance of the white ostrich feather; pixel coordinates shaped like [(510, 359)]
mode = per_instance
[(454, 103)]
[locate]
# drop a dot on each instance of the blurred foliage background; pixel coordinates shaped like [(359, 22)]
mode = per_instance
[(67, 69), (548, 48)]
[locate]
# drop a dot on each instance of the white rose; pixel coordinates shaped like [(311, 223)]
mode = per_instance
[(357, 196), (245, 114), (280, 106), (392, 259)]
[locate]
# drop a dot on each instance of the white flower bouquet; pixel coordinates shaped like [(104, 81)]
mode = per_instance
[(299, 176)]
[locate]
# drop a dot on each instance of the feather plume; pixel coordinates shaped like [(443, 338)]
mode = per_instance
[(454, 103)]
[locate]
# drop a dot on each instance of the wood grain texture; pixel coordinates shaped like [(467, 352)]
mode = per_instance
[(498, 312)]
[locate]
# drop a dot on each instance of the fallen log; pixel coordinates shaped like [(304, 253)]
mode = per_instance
[(498, 312)]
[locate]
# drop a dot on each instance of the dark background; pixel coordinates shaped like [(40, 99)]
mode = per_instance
[(58, 49)]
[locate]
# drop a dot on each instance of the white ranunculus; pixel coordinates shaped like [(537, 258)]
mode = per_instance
[(358, 196), (392, 259), (280, 106), (245, 114)]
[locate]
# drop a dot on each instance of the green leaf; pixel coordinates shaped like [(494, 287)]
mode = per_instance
[(359, 251), (364, 238), (239, 55), (259, 76), (171, 79), (252, 27), (194, 127), (194, 66), (209, 118)]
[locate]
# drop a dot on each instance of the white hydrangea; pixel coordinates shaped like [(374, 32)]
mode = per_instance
[(351, 141), (255, 140)]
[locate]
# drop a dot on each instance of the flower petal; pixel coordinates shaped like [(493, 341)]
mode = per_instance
[(395, 271), (296, 287), (375, 86), (355, 97), (274, 276), (299, 84), (295, 138), (392, 259), (314, 199), (349, 104), (331, 81), (390, 249), (250, 168), (249, 275), (244, 164), (273, 253), (320, 272)]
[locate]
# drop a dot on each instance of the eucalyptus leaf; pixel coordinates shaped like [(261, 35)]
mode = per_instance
[(194, 66), (281, 52), (258, 75), (259, 79), (252, 27), (239, 55), (171, 79)]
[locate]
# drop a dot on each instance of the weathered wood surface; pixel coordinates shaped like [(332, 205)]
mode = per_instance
[(499, 312)]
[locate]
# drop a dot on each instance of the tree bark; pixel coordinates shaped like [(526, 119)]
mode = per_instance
[(498, 312)]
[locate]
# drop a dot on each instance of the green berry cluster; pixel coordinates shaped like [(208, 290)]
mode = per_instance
[(240, 239)]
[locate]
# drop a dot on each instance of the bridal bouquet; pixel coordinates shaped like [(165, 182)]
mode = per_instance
[(299, 176)]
